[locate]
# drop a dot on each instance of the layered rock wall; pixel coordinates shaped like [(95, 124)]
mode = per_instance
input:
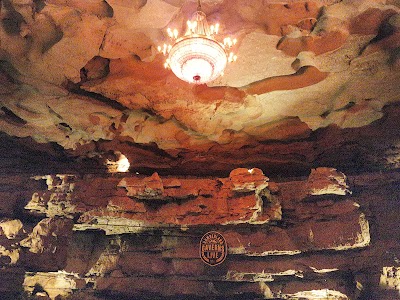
[(100, 237)]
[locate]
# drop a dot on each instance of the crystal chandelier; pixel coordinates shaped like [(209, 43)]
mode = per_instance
[(197, 57)]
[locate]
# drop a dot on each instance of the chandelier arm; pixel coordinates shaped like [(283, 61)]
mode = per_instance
[(197, 57)]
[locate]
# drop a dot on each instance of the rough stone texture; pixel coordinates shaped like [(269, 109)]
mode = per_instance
[(372, 147), (134, 203), (314, 93), (327, 181), (10, 228), (318, 244), (303, 66), (390, 278)]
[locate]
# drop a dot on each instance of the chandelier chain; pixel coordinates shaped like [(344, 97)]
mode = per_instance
[(198, 5)]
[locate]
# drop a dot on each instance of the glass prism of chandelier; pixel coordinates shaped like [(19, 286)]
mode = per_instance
[(197, 57)]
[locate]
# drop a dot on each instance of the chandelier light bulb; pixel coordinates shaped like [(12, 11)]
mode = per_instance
[(197, 57)]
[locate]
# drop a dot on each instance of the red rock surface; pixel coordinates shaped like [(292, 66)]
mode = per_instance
[(302, 78), (313, 96), (317, 244)]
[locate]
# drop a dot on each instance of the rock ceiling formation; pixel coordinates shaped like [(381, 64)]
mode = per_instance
[(315, 92), (85, 75)]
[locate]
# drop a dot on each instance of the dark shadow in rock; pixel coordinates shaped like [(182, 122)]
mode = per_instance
[(12, 21)]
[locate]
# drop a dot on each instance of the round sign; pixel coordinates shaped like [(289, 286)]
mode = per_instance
[(213, 248)]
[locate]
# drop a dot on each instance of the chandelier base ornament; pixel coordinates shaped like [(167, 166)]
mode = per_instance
[(197, 57)]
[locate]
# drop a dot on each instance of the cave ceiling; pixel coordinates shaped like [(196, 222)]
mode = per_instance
[(316, 83)]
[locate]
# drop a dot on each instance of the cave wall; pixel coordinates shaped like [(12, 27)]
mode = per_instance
[(130, 236), (316, 84), (302, 66)]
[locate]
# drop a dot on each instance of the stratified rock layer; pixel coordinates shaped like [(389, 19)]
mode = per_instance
[(117, 235), (83, 91)]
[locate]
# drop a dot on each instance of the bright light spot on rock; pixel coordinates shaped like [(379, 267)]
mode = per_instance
[(13, 254), (319, 294), (54, 284), (121, 165), (322, 271), (390, 278), (10, 228)]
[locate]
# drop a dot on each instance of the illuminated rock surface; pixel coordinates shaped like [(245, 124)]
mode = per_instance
[(112, 168), (282, 240), (302, 66)]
